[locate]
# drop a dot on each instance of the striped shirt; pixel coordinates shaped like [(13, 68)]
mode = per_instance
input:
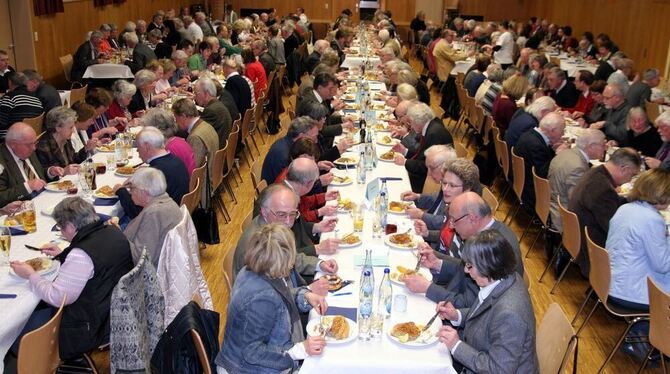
[(16, 106), (70, 282)]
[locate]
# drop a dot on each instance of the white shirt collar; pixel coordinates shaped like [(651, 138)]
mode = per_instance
[(425, 128), (586, 157), (193, 122), (561, 86), (318, 97), (157, 156), (231, 74), (586, 93), (546, 139), (19, 163), (489, 225), (485, 292)]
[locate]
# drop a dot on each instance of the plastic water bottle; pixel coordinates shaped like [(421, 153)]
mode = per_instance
[(360, 168), (383, 209), (366, 295), (385, 295)]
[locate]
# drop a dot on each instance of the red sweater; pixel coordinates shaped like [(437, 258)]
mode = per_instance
[(503, 110), (584, 104), (114, 111), (256, 73), (309, 204)]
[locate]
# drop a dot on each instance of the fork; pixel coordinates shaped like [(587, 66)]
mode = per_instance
[(418, 261)]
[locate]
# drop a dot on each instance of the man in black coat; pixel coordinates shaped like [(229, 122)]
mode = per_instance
[(142, 54), (48, 95), (431, 131), (150, 146), (561, 89), (237, 86), (324, 87), (4, 69), (87, 54), (538, 146), (215, 112)]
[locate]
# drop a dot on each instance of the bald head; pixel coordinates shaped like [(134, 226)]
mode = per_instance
[(21, 140), (302, 173), (321, 45), (471, 211)]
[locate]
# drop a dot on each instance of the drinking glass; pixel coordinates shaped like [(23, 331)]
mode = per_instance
[(5, 243), (359, 219), (85, 186), (29, 217)]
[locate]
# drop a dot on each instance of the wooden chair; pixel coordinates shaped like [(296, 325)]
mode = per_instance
[(659, 326), (198, 174), (571, 241), (600, 276), (192, 198), (255, 172), (66, 62), (217, 179), (542, 198), (526, 280), (230, 163), (228, 269), (77, 94), (502, 154), (245, 134), (247, 221), (556, 341), (519, 173), (37, 123), (461, 151), (38, 349), (490, 199), (258, 117), (653, 110), (261, 186), (202, 354)]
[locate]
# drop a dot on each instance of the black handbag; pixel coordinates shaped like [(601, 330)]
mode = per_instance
[(204, 218)]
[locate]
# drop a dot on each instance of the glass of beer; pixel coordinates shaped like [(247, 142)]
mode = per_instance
[(358, 214), (29, 221), (5, 243)]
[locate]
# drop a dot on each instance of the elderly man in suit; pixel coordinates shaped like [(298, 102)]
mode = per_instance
[(277, 157), (87, 54), (320, 46), (279, 204), (430, 208), (151, 148), (401, 129), (202, 137), (21, 174), (469, 214), (613, 120), (237, 86), (561, 89), (538, 147), (323, 92), (662, 158), (142, 54), (431, 131), (215, 112)]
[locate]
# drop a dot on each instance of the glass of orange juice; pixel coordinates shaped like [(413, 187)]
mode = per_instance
[(28, 215), (358, 218)]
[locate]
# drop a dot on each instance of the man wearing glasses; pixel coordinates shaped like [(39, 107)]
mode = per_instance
[(468, 215), (279, 204), (613, 123)]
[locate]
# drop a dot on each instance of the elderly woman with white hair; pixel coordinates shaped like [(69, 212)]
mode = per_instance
[(662, 158), (122, 92), (145, 97), (387, 41), (642, 136), (164, 121), (159, 215), (55, 147)]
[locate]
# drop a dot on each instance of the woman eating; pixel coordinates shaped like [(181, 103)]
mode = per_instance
[(54, 148)]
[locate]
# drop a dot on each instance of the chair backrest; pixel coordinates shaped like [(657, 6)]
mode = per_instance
[(237, 124), (504, 156), (228, 268), (430, 186), (255, 171), (460, 78), (526, 280), (556, 340), (202, 354), (460, 149), (490, 199), (600, 273), (38, 349), (191, 199), (217, 166), (542, 197), (37, 123), (247, 220), (652, 109), (572, 236), (659, 313), (77, 94), (198, 174), (230, 153), (246, 122), (66, 62), (519, 173)]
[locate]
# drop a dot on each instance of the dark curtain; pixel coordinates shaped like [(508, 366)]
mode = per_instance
[(46, 7), (102, 2)]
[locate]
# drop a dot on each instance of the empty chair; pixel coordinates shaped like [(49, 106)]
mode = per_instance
[(77, 94), (38, 350), (542, 197), (659, 327), (556, 341), (571, 241)]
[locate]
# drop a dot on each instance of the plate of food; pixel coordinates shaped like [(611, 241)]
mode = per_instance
[(387, 156), (125, 171), (380, 106), (624, 189), (398, 207), (42, 265), (106, 148), (59, 186), (341, 181), (387, 140), (383, 115), (345, 205), (105, 192), (378, 96), (401, 241), (346, 161), (382, 127), (352, 106), (348, 97), (338, 329), (350, 240), (13, 221), (409, 334), (398, 275)]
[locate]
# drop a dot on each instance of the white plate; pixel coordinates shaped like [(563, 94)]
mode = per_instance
[(430, 336), (422, 271), (48, 211), (413, 245), (122, 175), (385, 160), (312, 330), (344, 245), (53, 187), (2, 224), (383, 128), (106, 149), (348, 97), (354, 161), (383, 115), (393, 141), (401, 212), (344, 183), (55, 265)]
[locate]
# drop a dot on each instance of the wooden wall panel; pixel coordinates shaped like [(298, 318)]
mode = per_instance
[(496, 10), (402, 11), (62, 33)]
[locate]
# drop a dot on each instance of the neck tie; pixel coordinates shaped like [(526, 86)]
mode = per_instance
[(30, 175), (663, 153), (446, 236), (419, 150)]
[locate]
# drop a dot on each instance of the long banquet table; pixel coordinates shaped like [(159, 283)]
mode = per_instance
[(14, 313)]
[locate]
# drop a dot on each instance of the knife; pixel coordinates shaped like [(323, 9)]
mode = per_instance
[(33, 248), (7, 296), (429, 323), (391, 179)]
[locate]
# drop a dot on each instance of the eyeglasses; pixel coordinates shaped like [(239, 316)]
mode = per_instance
[(467, 265), (450, 185), (451, 221), (284, 215)]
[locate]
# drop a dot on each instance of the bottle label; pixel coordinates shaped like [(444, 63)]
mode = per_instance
[(365, 309)]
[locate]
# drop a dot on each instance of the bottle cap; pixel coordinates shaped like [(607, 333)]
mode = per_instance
[(387, 270), (366, 273)]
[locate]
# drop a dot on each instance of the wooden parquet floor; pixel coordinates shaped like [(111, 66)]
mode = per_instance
[(596, 341)]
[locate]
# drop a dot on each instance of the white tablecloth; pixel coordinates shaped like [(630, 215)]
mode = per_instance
[(462, 66), (14, 313), (571, 66), (64, 97), (108, 71), (351, 61), (382, 355)]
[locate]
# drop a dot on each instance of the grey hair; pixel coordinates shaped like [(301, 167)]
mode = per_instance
[(407, 76), (269, 191), (558, 72), (59, 116), (207, 85), (129, 37), (156, 33), (130, 26), (150, 180), (663, 119), (179, 55), (144, 77), (420, 113), (466, 171), (407, 92), (384, 34), (185, 107), (620, 82), (123, 89), (588, 137), (551, 121), (76, 211), (162, 119), (541, 104), (304, 175), (441, 153), (321, 45), (625, 157), (495, 73), (151, 136), (491, 254), (300, 125), (315, 111), (105, 27), (33, 75), (635, 112), (96, 34), (650, 74)]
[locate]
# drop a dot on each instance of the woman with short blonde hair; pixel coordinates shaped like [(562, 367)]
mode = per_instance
[(407, 92)]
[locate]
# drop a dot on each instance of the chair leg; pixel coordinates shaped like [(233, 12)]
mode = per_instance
[(565, 270), (244, 154), (646, 359), (588, 317), (586, 300), (534, 241), (616, 346), (253, 139), (553, 258), (230, 190), (525, 231)]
